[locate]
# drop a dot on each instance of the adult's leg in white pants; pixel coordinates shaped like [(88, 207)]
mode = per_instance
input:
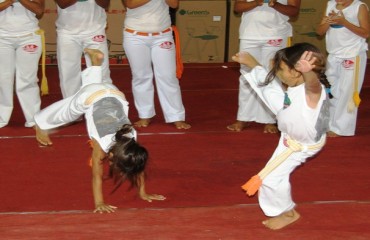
[(138, 51), (99, 41), (69, 52), (7, 63), (251, 108), (169, 92), (27, 88)]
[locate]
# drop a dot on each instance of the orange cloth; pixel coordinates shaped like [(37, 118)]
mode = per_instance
[(179, 63)]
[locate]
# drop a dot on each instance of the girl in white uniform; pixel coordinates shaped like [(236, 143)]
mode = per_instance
[(20, 51), (113, 138), (264, 29), (300, 104), (346, 24), (80, 24), (150, 49)]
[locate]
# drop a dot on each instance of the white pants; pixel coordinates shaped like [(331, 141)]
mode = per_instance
[(251, 108), (148, 56), (341, 74), (275, 193), (69, 52), (19, 57)]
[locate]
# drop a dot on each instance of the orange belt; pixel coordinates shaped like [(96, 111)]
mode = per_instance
[(147, 34)]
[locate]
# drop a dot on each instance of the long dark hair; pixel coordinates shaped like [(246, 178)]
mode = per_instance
[(128, 158), (291, 55)]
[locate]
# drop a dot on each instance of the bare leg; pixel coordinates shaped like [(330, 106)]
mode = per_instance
[(182, 125), (143, 122), (282, 220), (332, 134), (270, 128), (42, 136), (238, 126), (95, 55)]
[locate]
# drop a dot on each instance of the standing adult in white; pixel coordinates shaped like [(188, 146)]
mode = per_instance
[(80, 24), (20, 51), (151, 51), (264, 30)]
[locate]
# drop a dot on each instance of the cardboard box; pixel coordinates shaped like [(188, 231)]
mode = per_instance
[(202, 28), (234, 20)]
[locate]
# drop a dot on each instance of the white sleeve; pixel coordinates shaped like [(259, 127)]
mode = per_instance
[(272, 94)]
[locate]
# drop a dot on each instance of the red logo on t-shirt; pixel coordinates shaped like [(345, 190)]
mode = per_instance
[(99, 38), (348, 64), (31, 48), (275, 42), (166, 45)]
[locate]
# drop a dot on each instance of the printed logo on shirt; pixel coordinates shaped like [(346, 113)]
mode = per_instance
[(99, 38), (275, 42), (348, 64), (31, 48), (166, 45)]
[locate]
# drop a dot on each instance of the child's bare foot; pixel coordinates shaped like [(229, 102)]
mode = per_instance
[(332, 134), (237, 126), (42, 136), (95, 55), (143, 122), (270, 128), (282, 220), (182, 125)]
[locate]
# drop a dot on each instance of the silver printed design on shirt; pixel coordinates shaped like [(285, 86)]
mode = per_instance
[(322, 124), (109, 116)]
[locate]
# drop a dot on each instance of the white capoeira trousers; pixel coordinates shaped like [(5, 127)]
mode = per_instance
[(275, 195), (341, 75), (142, 52), (69, 52), (251, 108), (19, 58)]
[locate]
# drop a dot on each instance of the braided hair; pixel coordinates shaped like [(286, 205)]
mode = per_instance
[(127, 157)]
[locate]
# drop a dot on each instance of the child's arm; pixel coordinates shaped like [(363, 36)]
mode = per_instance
[(172, 3), (134, 3), (291, 9), (313, 86), (103, 3), (323, 26), (142, 193), (363, 18), (244, 6), (35, 6), (65, 3), (97, 179)]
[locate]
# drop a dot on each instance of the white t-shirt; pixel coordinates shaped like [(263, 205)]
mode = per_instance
[(153, 16), (82, 18), (17, 20), (340, 41), (264, 22)]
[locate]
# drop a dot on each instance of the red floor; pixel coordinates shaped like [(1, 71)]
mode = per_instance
[(46, 192)]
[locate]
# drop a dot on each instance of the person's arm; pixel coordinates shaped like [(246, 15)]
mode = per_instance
[(313, 87), (103, 3), (290, 10), (97, 179), (172, 3), (65, 3), (35, 6), (363, 18), (323, 26), (134, 3), (244, 6), (142, 192), (4, 5)]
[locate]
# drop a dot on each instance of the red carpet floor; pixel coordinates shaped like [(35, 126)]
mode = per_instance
[(46, 192)]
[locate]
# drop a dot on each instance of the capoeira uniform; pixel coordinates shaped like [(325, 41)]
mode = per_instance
[(262, 32), (298, 122), (104, 106), (147, 40), (80, 26), (20, 51), (346, 67)]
